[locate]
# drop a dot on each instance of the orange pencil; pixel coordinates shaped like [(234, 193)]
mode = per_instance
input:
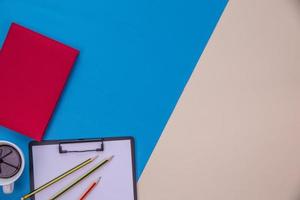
[(90, 189)]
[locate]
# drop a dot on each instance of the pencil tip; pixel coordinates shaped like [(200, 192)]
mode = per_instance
[(98, 180), (95, 157), (110, 158)]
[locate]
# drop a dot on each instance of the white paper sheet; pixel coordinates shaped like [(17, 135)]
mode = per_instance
[(117, 176)]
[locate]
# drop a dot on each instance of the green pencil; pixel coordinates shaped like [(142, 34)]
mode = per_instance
[(78, 180), (60, 177)]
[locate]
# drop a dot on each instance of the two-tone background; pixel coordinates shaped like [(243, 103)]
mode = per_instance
[(225, 129), (235, 132)]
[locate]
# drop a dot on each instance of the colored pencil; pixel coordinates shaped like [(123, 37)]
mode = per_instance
[(60, 177), (81, 178), (90, 189)]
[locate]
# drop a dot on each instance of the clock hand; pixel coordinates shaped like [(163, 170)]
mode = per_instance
[(10, 165), (6, 154)]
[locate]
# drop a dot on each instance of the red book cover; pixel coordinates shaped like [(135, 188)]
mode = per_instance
[(33, 72)]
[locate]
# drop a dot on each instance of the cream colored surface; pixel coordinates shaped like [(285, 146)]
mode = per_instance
[(235, 133)]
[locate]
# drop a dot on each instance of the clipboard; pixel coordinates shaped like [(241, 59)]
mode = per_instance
[(48, 159)]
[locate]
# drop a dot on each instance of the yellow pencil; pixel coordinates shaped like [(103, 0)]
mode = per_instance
[(78, 180), (60, 177)]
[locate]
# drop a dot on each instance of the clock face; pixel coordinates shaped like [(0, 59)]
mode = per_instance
[(10, 161)]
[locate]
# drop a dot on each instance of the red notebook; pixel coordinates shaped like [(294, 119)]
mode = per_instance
[(33, 72)]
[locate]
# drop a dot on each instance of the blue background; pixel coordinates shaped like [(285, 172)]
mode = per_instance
[(135, 59)]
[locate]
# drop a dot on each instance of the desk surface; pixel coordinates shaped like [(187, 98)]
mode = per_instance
[(236, 127)]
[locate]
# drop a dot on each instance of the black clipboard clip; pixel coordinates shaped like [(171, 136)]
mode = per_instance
[(61, 150)]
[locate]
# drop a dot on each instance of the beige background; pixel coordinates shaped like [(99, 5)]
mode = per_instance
[(235, 133)]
